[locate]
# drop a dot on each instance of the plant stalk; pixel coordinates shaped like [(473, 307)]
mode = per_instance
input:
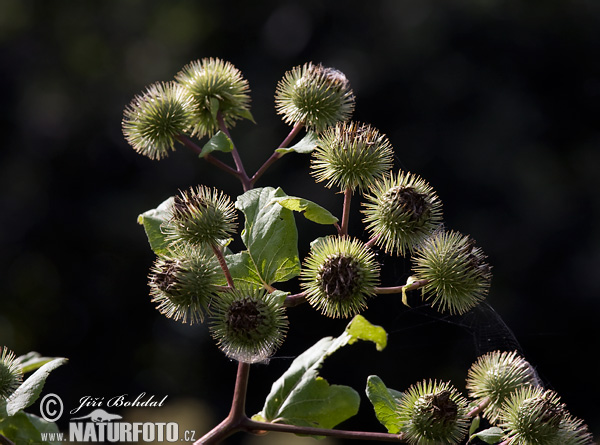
[(237, 414), (252, 425), (223, 265), (346, 211), (399, 289), (276, 155), (209, 158), (243, 176)]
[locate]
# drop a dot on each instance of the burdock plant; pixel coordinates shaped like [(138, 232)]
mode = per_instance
[(199, 274)]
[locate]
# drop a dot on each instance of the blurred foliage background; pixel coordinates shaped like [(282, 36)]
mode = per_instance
[(495, 103)]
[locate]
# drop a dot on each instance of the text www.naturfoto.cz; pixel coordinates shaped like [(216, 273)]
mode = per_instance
[(119, 432)]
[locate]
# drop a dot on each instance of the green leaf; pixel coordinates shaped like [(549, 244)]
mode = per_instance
[(32, 361), (270, 236), (219, 142), (491, 435), (244, 113), (360, 329), (152, 221), (25, 429), (214, 108), (306, 145), (30, 389), (474, 425), (385, 402), (301, 397), (311, 211)]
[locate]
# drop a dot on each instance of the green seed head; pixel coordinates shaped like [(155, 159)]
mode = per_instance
[(338, 276), (201, 216), (248, 324), (152, 121), (433, 413), (216, 87), (495, 376), (11, 374), (532, 415), (401, 212), (458, 277), (182, 283), (351, 155), (314, 96)]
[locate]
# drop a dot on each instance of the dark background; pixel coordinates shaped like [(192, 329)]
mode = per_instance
[(495, 103)]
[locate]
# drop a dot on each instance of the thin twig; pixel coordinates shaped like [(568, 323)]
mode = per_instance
[(372, 241), (346, 211), (399, 289), (294, 300), (243, 176), (237, 414), (208, 158), (252, 425), (479, 408), (276, 155), (223, 265)]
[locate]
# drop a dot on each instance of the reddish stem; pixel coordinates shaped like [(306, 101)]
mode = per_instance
[(223, 265), (242, 175), (209, 158), (346, 211), (398, 289), (276, 155)]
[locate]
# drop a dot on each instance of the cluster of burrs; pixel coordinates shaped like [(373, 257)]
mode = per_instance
[(504, 389), (402, 213)]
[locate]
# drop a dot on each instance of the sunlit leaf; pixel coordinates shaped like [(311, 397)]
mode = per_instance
[(301, 397), (311, 211), (384, 402), (306, 145)]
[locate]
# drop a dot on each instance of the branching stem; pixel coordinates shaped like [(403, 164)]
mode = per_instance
[(242, 175), (276, 155), (209, 158), (237, 420)]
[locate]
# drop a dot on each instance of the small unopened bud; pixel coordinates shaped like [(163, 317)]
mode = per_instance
[(339, 275), (315, 96)]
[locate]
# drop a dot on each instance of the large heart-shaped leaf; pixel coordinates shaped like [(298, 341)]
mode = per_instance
[(271, 239), (301, 397)]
